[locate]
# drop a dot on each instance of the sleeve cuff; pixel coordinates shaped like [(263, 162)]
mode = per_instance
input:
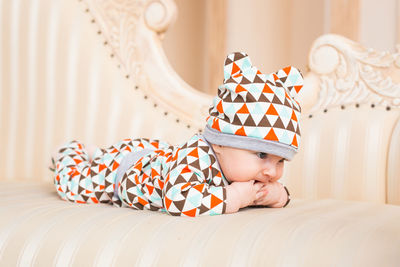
[(288, 195)]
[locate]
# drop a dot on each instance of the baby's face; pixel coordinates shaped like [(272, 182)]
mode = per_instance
[(240, 165)]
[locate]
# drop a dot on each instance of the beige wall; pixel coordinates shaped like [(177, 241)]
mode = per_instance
[(274, 33), (379, 24), (184, 42), (262, 30)]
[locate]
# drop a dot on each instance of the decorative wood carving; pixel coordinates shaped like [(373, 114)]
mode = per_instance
[(118, 21), (350, 73), (134, 29)]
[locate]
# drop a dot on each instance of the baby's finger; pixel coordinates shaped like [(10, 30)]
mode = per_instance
[(260, 195), (262, 187), (258, 186), (265, 190), (258, 202)]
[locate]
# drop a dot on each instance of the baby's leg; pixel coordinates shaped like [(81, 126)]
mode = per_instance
[(105, 166), (83, 180), (73, 178)]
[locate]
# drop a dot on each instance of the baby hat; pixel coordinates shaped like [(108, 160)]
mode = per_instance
[(256, 111)]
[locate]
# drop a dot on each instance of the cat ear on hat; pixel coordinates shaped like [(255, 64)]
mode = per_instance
[(292, 79), (235, 63)]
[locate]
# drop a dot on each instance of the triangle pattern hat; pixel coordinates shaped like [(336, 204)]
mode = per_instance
[(256, 111)]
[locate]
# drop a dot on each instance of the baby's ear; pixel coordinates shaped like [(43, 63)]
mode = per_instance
[(292, 79), (235, 63)]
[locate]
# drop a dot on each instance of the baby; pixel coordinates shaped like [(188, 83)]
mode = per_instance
[(253, 127)]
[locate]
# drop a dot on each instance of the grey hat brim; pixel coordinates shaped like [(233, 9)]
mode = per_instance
[(250, 143)]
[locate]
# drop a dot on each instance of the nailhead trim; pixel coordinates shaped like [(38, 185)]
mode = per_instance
[(388, 108), (127, 76)]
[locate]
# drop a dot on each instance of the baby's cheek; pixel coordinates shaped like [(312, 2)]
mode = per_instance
[(236, 175), (279, 172), (244, 175)]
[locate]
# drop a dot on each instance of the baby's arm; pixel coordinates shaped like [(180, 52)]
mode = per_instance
[(241, 194), (273, 195)]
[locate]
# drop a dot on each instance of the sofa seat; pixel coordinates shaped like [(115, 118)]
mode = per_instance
[(40, 229)]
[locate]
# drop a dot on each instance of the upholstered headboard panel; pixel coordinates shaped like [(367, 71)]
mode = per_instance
[(350, 147), (88, 70), (393, 167)]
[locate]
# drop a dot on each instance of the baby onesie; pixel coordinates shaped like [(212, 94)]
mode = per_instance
[(183, 180)]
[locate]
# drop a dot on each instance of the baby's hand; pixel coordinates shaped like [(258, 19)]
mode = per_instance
[(241, 194), (272, 195)]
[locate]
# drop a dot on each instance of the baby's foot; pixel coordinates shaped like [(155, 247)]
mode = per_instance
[(55, 156), (60, 152)]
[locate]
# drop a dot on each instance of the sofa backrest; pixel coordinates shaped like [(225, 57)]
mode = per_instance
[(95, 71), (350, 139)]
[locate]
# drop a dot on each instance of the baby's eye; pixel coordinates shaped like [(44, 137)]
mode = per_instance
[(282, 160), (262, 155)]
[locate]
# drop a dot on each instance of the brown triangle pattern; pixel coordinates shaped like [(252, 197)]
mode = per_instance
[(280, 92), (143, 185)]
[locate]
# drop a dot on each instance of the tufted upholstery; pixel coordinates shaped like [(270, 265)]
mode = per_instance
[(94, 71)]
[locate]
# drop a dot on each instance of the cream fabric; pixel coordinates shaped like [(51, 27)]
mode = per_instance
[(39, 229), (59, 81), (393, 167), (344, 154)]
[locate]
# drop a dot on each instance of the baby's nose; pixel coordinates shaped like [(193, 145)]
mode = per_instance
[(270, 174)]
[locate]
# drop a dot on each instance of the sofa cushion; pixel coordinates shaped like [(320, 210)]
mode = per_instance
[(39, 228)]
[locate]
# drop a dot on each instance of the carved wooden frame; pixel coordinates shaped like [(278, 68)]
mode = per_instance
[(349, 73), (134, 30)]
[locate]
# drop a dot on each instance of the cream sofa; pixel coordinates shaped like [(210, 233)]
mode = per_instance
[(95, 71)]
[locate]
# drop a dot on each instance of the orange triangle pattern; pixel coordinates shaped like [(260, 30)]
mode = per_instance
[(243, 110), (294, 142), (143, 184), (271, 136), (190, 213), (219, 107), (154, 173), (267, 89), (185, 169), (167, 202), (216, 125), (199, 187), (240, 88), (294, 118), (194, 153), (150, 188), (215, 201), (248, 91), (287, 70), (272, 111), (241, 132), (235, 68)]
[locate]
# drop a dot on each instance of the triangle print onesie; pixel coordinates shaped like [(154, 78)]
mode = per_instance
[(185, 180), (252, 111)]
